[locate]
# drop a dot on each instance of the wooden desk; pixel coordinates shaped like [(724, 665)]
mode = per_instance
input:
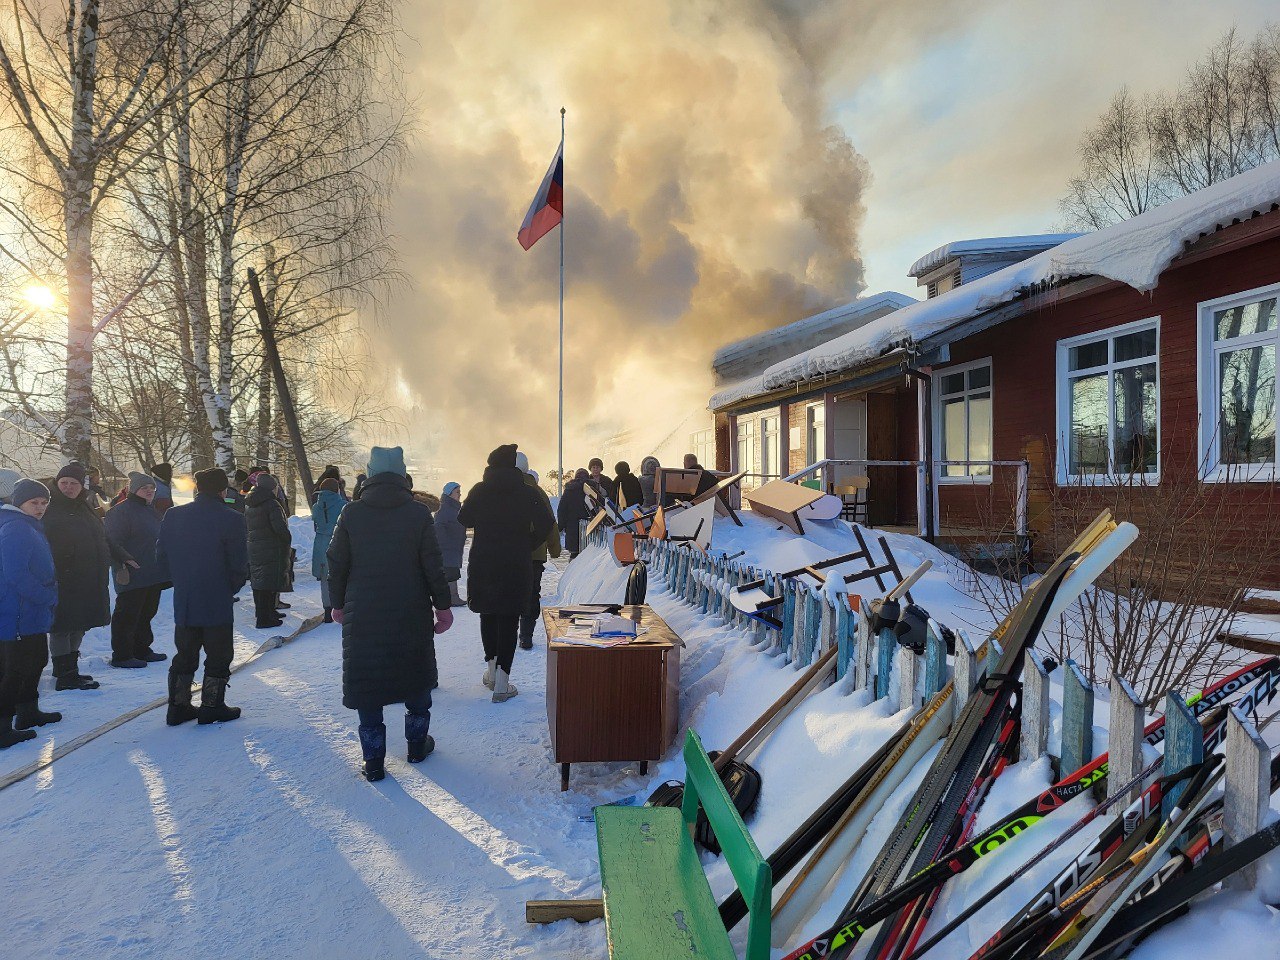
[(613, 704)]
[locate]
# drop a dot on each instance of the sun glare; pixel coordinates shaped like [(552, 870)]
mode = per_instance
[(39, 296)]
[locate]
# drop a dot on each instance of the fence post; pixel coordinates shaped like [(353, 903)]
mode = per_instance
[(886, 645), (1077, 719), (908, 677), (935, 661), (788, 618), (1248, 790), (862, 654), (1034, 739), (827, 634), (813, 634), (844, 636), (1125, 749), (1183, 745), (966, 671)]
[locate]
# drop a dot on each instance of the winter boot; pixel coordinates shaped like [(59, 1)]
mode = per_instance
[(132, 663), (503, 688), (213, 702), (373, 745), (489, 667), (10, 736), (180, 708), (281, 605), (455, 598), (526, 632), (150, 656), (30, 715), (67, 675), (328, 614), (415, 734)]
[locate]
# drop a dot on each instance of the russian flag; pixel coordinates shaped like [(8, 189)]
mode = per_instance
[(547, 208)]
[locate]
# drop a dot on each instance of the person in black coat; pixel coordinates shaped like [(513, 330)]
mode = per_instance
[(202, 543), (627, 486), (572, 510), (509, 520), (83, 555), (135, 526), (600, 482), (388, 589), (269, 546)]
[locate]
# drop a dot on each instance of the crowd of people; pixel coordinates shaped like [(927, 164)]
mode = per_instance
[(389, 560)]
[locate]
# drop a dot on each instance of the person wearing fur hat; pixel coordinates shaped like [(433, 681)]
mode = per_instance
[(453, 538), (269, 545), (28, 595), (387, 585), (328, 506), (550, 547), (649, 468), (162, 473), (135, 526), (84, 556), (203, 545), (508, 521)]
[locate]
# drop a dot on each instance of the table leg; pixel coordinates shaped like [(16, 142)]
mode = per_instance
[(564, 777), (644, 767)]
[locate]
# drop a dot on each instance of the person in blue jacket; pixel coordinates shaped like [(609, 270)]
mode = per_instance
[(452, 537), (204, 543), (28, 595), (324, 517)]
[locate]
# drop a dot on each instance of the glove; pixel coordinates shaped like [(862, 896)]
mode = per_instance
[(444, 620), (337, 615)]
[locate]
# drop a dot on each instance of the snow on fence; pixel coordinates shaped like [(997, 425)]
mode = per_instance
[(812, 623)]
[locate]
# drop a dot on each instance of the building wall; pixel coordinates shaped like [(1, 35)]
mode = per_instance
[(1023, 355)]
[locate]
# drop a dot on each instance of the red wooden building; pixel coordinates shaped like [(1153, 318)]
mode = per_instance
[(1132, 362)]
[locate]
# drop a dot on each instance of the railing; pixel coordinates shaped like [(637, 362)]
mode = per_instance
[(1021, 466)]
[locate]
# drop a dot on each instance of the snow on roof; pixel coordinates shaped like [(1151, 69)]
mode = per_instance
[(1134, 252), (778, 336), (987, 246)]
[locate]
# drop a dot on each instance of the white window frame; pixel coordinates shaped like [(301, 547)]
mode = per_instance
[(747, 428), (762, 439), (1211, 469), (811, 455), (1063, 386), (939, 453)]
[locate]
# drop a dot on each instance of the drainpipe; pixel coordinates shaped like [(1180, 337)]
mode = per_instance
[(926, 400)]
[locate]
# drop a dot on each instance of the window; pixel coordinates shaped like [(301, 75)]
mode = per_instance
[(748, 444), (770, 447), (1238, 341), (702, 444), (962, 410), (1109, 404), (816, 423)]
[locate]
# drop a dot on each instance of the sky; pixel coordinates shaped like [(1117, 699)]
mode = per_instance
[(730, 166)]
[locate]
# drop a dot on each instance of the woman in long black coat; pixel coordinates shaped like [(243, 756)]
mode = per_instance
[(83, 555), (269, 544), (572, 511), (387, 585), (509, 520)]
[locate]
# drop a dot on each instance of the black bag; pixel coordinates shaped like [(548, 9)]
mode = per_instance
[(637, 584), (742, 783)]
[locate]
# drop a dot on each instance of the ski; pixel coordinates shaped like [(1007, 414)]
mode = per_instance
[(1156, 908)]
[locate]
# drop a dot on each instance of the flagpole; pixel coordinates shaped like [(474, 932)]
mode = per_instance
[(560, 453)]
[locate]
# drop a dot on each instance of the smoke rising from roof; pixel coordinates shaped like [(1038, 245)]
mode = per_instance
[(707, 198)]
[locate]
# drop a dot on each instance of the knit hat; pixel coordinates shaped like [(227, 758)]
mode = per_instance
[(213, 480), (331, 484), (241, 476), (534, 474), (8, 478), (504, 456), (76, 471), (164, 472), (265, 481), (622, 468), (450, 487), (387, 460), (25, 490), (522, 462), (139, 480)]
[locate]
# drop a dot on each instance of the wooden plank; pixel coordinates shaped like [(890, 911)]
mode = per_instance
[(657, 904), (886, 645), (1077, 719), (1125, 744), (1248, 789), (1183, 745), (1034, 739), (549, 911)]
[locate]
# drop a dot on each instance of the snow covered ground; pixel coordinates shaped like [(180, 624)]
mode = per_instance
[(259, 839)]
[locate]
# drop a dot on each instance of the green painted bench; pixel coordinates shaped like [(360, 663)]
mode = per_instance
[(657, 902)]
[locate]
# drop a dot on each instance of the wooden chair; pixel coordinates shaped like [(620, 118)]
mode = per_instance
[(657, 902), (854, 493)]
